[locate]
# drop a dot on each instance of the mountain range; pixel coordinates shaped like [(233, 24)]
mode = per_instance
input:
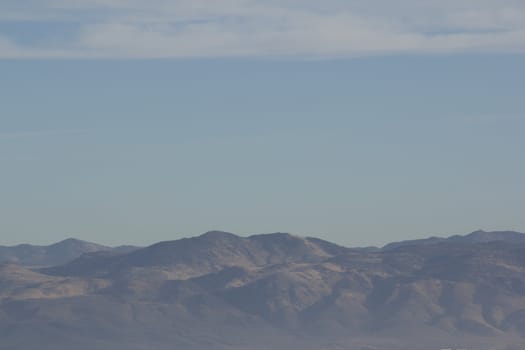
[(269, 291), (54, 254)]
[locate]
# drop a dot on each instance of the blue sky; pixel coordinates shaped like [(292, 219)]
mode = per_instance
[(407, 123)]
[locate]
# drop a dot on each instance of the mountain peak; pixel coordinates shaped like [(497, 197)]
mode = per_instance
[(68, 241), (54, 254), (477, 232), (218, 234), (209, 252), (278, 235), (74, 243)]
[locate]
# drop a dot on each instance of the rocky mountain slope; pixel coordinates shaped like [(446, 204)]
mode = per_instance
[(274, 291), (55, 254)]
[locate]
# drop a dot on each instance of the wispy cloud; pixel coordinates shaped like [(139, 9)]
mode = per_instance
[(218, 28)]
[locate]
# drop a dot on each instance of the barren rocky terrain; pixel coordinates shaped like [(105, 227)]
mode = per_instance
[(272, 291)]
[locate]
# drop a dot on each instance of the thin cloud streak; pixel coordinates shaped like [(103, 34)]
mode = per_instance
[(240, 28)]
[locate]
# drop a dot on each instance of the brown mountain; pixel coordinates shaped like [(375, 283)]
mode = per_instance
[(274, 291), (54, 254), (479, 236), (210, 252)]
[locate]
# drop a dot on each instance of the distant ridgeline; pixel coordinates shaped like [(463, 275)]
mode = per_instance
[(270, 291)]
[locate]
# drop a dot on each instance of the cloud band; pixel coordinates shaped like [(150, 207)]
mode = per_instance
[(256, 28)]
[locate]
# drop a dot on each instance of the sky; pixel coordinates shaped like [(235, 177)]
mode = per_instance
[(362, 122), (254, 28)]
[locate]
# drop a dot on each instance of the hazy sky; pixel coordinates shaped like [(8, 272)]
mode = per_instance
[(360, 123)]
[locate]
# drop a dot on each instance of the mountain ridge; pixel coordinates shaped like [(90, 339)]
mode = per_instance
[(54, 254), (209, 252), (478, 236), (279, 291)]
